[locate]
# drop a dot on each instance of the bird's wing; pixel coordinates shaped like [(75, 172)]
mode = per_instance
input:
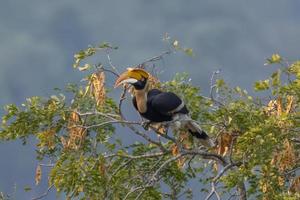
[(168, 103)]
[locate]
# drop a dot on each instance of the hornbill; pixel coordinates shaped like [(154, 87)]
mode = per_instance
[(160, 107)]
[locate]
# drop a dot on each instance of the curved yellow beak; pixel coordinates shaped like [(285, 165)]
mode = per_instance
[(132, 75)]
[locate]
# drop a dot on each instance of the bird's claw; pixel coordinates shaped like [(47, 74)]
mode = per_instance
[(146, 125)]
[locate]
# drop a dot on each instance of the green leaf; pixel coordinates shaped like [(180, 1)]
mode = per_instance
[(189, 51), (262, 85), (220, 83), (276, 78), (275, 58), (27, 188)]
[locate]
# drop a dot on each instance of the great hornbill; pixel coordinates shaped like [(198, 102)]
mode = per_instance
[(157, 106)]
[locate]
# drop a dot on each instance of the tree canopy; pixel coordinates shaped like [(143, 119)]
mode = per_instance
[(83, 136)]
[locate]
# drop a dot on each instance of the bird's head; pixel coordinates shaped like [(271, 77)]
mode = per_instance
[(134, 76)]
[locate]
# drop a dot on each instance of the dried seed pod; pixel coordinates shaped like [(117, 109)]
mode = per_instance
[(76, 131), (38, 174), (98, 87), (224, 143), (295, 186), (287, 156)]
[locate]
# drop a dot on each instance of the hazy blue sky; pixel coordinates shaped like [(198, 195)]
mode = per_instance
[(38, 40)]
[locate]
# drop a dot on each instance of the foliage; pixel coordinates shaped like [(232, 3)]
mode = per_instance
[(257, 139)]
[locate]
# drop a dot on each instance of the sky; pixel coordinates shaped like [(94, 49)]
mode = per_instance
[(39, 38)]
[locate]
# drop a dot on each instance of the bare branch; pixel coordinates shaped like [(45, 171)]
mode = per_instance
[(241, 189), (140, 194), (108, 115), (212, 192), (136, 189), (213, 86), (44, 194), (46, 165), (207, 155), (158, 154), (216, 179), (110, 122), (155, 58), (110, 63), (154, 176)]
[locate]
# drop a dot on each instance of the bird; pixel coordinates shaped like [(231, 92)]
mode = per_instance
[(158, 106)]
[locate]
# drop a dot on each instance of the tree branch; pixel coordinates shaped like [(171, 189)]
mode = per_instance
[(44, 194), (241, 189)]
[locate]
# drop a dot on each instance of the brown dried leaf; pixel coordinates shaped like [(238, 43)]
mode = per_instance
[(74, 118), (295, 186), (287, 158), (184, 139), (271, 108), (276, 107), (279, 106), (47, 138), (224, 143), (264, 187), (159, 128), (181, 162), (281, 181), (38, 174), (102, 168), (175, 150), (215, 166), (290, 101), (87, 90), (64, 142), (76, 131), (275, 159)]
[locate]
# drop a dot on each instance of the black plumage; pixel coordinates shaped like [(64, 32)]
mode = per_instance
[(157, 106), (160, 106)]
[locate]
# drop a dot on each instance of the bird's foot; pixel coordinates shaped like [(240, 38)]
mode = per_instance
[(146, 125)]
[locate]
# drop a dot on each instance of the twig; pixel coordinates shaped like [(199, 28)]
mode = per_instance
[(44, 194), (213, 86), (212, 192), (158, 154), (241, 189), (110, 122), (110, 63), (136, 189), (154, 176), (207, 155), (292, 171), (155, 58), (108, 115), (110, 71), (225, 169), (46, 165), (122, 98), (140, 194), (216, 179)]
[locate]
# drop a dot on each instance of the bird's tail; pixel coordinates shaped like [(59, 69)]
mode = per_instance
[(196, 131)]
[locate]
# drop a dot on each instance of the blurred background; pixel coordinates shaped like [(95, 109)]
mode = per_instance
[(39, 38)]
